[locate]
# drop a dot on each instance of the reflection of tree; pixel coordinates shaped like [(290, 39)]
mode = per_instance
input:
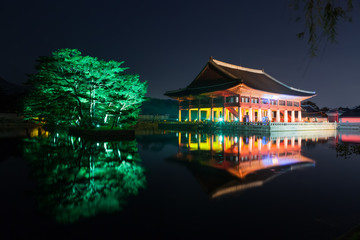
[(346, 150), (79, 178)]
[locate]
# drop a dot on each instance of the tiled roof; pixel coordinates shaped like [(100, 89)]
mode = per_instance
[(217, 75)]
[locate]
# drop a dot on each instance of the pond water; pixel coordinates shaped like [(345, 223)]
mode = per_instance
[(180, 185)]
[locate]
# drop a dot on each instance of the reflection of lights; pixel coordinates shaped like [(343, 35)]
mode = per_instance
[(221, 138), (275, 160), (236, 139), (221, 119), (177, 134), (97, 125)]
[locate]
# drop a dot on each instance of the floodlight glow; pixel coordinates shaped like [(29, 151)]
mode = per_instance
[(221, 119)]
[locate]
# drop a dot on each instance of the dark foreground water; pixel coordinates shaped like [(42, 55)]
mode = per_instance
[(179, 186)]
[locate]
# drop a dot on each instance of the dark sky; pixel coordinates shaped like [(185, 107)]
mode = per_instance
[(169, 42)]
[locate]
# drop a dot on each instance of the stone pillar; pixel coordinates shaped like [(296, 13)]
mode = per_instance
[(292, 116), (299, 116), (179, 115), (278, 115), (240, 114), (286, 116), (189, 115), (259, 115), (250, 115)]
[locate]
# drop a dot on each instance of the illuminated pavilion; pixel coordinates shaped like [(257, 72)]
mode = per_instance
[(226, 92)]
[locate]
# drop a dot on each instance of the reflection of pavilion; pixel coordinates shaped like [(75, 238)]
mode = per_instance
[(350, 137), (225, 164)]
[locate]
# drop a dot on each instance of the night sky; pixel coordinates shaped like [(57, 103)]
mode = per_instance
[(169, 42)]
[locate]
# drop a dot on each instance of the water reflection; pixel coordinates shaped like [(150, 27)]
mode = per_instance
[(80, 178), (227, 164), (348, 144)]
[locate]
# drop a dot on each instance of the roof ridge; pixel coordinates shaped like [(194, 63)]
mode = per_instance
[(229, 65)]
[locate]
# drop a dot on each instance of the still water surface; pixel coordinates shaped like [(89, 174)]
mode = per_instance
[(180, 185)]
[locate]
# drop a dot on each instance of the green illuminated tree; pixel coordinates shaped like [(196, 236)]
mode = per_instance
[(71, 89), (79, 178)]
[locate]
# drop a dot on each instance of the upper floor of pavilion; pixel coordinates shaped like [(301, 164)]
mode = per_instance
[(218, 78)]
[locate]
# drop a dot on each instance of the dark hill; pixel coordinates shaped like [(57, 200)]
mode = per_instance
[(155, 106), (10, 96), (10, 89)]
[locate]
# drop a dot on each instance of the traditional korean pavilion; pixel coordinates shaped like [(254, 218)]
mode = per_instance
[(226, 92)]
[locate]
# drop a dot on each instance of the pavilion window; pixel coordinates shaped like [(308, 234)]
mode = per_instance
[(296, 104), (289, 103), (273, 102), (245, 99), (254, 100), (237, 99), (281, 103), (265, 101)]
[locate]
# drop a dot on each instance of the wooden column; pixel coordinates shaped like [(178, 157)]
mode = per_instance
[(212, 110), (223, 114), (299, 116), (189, 115), (278, 115), (250, 115), (269, 114), (224, 110), (292, 116), (199, 112), (179, 115), (259, 115), (240, 114), (286, 116)]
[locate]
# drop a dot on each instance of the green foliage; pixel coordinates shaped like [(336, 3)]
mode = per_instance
[(321, 19), (71, 89), (79, 178)]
